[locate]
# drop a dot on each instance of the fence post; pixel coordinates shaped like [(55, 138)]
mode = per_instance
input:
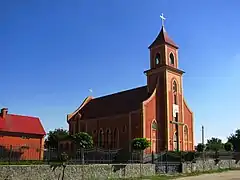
[(109, 155), (49, 154), (141, 161), (166, 164), (152, 158), (82, 155), (132, 156)]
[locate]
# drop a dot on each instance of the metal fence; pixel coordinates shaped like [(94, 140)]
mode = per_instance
[(10, 153), (164, 160), (95, 156), (170, 161)]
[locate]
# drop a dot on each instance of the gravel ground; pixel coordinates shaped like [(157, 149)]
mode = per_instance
[(230, 175)]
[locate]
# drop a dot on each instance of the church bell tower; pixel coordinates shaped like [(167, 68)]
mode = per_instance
[(165, 76)]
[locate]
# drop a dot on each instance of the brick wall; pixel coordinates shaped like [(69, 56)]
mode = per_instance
[(188, 120), (120, 123)]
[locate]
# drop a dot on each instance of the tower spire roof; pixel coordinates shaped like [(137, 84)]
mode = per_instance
[(163, 37)]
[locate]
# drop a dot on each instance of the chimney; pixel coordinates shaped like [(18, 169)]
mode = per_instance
[(4, 112)]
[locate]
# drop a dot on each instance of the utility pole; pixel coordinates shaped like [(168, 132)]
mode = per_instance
[(203, 145), (202, 134)]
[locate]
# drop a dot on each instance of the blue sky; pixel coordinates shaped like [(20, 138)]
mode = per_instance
[(53, 52)]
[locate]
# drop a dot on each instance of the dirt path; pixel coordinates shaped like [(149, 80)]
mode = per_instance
[(230, 175)]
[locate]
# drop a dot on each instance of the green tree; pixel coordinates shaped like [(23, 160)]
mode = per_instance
[(235, 140), (54, 137), (200, 147), (140, 144), (214, 144), (83, 141), (228, 146)]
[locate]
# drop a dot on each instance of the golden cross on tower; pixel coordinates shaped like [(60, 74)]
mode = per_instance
[(163, 19)]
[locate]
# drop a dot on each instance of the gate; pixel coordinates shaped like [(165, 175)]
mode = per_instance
[(167, 162), (168, 167)]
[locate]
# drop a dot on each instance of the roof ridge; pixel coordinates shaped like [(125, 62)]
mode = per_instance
[(23, 124), (23, 116), (114, 104), (86, 101), (119, 92)]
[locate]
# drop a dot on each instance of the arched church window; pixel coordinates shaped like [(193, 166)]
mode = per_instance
[(172, 58), (186, 137), (175, 99), (153, 135), (174, 86), (174, 92), (158, 58), (154, 125), (108, 138), (95, 135), (115, 138), (175, 141)]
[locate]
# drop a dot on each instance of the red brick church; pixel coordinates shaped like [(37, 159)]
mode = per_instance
[(157, 111)]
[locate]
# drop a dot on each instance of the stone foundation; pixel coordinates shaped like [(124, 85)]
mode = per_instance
[(75, 172), (209, 165)]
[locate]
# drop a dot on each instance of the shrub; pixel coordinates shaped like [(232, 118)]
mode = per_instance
[(140, 144), (188, 156), (200, 147), (83, 140), (228, 146)]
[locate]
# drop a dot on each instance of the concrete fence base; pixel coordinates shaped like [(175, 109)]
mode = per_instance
[(209, 165), (75, 172)]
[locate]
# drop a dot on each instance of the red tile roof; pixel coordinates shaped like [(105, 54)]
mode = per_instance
[(118, 103), (21, 124), (163, 38)]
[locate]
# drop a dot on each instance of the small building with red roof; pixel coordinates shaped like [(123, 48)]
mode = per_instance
[(157, 111), (23, 136)]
